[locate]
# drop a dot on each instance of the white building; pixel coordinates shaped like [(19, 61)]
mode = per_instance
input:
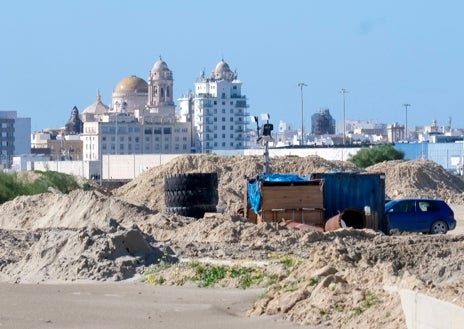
[(14, 137), (218, 111), (141, 119)]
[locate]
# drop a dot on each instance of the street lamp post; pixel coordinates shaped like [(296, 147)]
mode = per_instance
[(301, 85), (343, 92), (406, 126)]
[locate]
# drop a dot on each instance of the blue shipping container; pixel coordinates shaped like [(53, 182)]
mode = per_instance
[(353, 190)]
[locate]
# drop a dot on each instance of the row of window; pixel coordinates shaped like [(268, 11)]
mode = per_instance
[(231, 136), (136, 141), (123, 148), (223, 128), (209, 121), (136, 129), (223, 111), (223, 144)]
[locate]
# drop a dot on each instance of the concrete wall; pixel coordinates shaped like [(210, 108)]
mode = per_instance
[(130, 166), (77, 168), (125, 167), (425, 312), (116, 167)]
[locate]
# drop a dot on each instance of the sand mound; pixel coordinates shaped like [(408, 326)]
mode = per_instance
[(74, 210), (420, 178), (88, 235), (148, 188), (84, 254)]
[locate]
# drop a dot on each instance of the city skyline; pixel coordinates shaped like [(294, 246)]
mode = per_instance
[(57, 55)]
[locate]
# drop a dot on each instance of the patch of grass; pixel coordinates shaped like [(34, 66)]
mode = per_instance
[(87, 186), (294, 284), (272, 279), (370, 300), (11, 186), (314, 281), (208, 275), (289, 261)]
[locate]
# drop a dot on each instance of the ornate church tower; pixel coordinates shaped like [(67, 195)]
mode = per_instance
[(160, 90)]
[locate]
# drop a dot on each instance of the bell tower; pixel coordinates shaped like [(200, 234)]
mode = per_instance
[(160, 89)]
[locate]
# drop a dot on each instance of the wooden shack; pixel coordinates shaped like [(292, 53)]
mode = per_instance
[(285, 202)]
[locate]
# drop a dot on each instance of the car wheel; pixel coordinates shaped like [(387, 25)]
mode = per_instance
[(439, 227)]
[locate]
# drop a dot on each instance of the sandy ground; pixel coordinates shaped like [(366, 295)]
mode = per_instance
[(129, 305), (59, 253), (136, 305), (459, 215)]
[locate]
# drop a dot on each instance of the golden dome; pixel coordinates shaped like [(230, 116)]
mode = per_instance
[(132, 84)]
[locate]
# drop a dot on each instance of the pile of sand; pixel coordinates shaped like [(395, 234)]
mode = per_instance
[(420, 178), (88, 235)]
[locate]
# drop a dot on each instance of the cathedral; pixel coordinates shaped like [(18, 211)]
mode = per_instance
[(140, 120)]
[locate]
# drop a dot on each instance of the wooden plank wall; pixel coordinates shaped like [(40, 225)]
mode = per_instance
[(299, 203)]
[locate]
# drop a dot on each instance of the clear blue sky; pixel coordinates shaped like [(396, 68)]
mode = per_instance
[(57, 54)]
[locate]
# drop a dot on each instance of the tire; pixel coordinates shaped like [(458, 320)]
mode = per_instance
[(195, 211), (191, 197), (438, 227), (185, 190), (193, 181)]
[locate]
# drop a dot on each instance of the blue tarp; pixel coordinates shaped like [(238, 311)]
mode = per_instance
[(283, 178), (254, 192)]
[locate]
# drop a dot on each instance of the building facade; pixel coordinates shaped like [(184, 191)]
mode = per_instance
[(14, 137), (218, 112), (322, 123), (395, 133), (140, 120)]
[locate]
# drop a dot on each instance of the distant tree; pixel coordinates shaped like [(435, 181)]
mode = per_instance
[(369, 156)]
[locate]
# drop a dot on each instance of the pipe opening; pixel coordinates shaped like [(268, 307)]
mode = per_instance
[(348, 218), (353, 218)]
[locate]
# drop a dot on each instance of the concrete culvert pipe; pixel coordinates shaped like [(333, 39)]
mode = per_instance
[(348, 218)]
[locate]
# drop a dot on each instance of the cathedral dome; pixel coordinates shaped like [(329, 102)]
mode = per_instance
[(222, 71), (132, 84), (97, 107), (160, 66)]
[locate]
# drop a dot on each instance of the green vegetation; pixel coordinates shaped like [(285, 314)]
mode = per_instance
[(289, 261), (370, 300), (204, 274), (11, 186), (369, 156), (314, 281), (208, 275)]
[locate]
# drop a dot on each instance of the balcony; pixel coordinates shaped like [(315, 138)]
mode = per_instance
[(242, 114), (205, 104), (207, 114), (241, 104)]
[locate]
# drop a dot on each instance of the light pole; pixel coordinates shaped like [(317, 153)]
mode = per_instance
[(301, 85), (343, 91), (406, 126)]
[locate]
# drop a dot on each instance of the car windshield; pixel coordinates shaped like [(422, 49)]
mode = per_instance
[(400, 206)]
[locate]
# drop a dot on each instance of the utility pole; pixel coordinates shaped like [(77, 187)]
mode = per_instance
[(301, 85), (406, 126), (343, 91)]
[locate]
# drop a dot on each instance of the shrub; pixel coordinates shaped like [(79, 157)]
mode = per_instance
[(369, 156), (11, 186)]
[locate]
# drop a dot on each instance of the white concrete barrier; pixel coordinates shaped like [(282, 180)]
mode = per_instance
[(425, 312)]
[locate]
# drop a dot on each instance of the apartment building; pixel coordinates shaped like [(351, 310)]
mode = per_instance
[(218, 112)]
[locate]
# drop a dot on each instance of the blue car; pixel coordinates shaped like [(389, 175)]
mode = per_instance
[(420, 215)]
